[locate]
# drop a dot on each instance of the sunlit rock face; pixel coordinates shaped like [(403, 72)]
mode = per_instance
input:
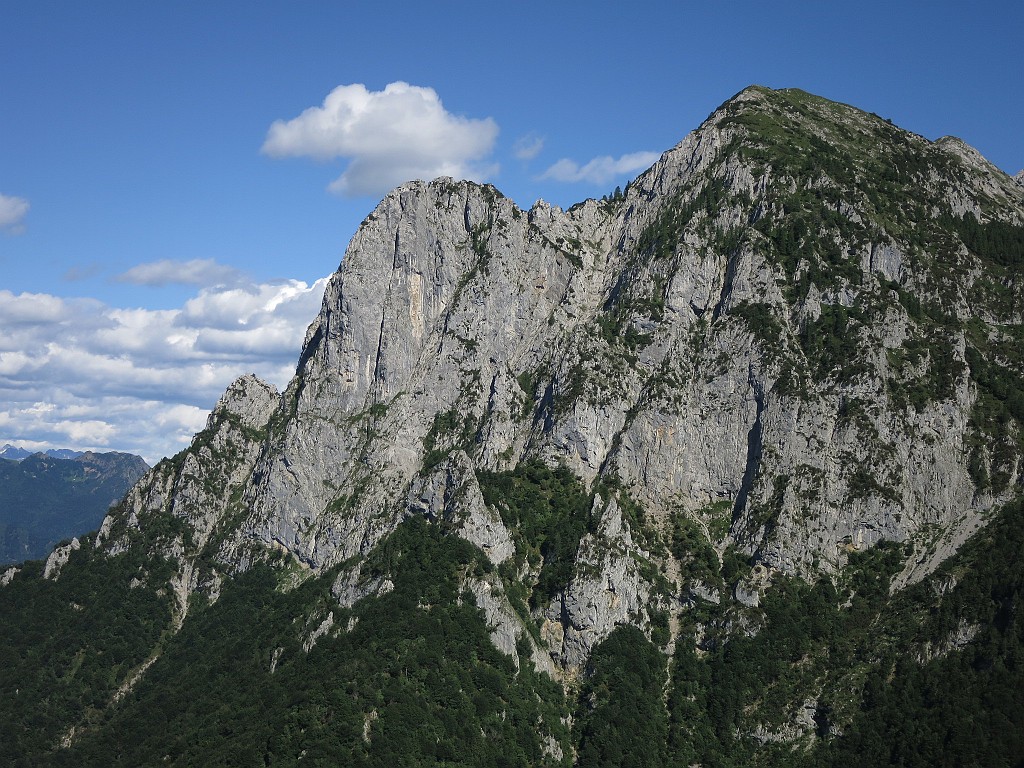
[(773, 334)]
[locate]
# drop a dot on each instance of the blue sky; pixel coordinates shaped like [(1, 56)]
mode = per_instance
[(159, 236)]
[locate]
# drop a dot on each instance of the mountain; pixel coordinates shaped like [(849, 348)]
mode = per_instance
[(45, 498), (14, 453), (723, 469), (65, 453)]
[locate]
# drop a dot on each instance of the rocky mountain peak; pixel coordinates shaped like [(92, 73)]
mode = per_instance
[(249, 399), (769, 271)]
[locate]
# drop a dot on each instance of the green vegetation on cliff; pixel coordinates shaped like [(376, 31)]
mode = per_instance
[(409, 677)]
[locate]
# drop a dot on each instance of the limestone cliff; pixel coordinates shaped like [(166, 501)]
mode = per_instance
[(770, 335)]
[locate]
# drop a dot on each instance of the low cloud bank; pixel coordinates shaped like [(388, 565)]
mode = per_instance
[(79, 373)]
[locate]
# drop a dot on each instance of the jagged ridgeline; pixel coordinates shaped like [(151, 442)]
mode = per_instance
[(722, 469)]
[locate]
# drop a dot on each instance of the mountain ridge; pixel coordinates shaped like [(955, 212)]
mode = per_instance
[(47, 497), (14, 453), (778, 373), (355, 376)]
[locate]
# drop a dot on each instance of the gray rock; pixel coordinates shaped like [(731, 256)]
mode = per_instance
[(746, 595), (507, 630), (322, 629), (350, 587), (462, 334), (452, 492), (606, 590), (705, 592), (58, 559)]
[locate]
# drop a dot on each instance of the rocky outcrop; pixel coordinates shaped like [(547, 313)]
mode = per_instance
[(452, 493), (58, 558), (350, 587), (507, 631), (190, 503), (606, 590)]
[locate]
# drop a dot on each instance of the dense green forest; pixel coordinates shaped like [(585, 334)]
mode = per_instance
[(411, 677)]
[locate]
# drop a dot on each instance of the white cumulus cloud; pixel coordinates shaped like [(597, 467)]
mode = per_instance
[(30, 308), (600, 170), (13, 211), (389, 137), (79, 373)]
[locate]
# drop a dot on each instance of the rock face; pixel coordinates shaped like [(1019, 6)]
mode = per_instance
[(778, 336), (607, 590), (58, 558), (194, 499)]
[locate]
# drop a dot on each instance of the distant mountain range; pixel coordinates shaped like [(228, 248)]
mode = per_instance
[(56, 494), (14, 453)]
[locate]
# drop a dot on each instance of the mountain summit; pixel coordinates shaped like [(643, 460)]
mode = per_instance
[(682, 474)]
